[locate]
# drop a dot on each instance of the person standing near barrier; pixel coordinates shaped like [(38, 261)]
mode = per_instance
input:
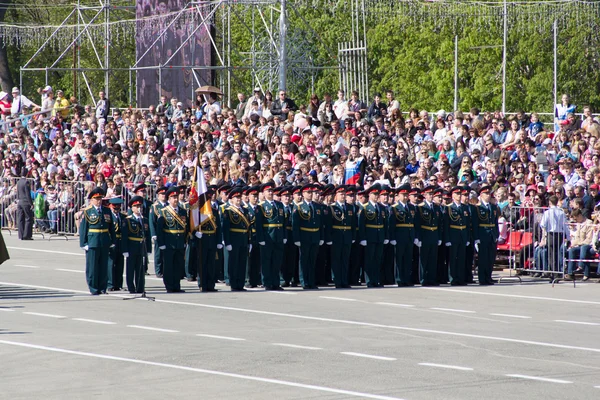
[(340, 233), (428, 234), (153, 219), (172, 232), (555, 230), (236, 237), (96, 237), (456, 237), (271, 235), (402, 236), (116, 261), (486, 233), (308, 236), (135, 244), (24, 210), (579, 248)]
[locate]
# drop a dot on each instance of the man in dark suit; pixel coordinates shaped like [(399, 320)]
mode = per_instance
[(24, 210)]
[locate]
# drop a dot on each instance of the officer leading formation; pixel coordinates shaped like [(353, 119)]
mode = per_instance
[(287, 236)]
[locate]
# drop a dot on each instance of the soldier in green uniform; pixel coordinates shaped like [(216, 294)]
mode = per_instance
[(485, 233), (210, 243), (470, 250), (192, 251), (321, 197), (236, 237), (340, 233), (443, 254), (413, 201), (116, 262), (224, 196), (154, 213), (456, 237), (141, 190), (356, 250), (402, 236), (387, 259), (373, 232), (290, 255), (308, 236), (135, 245), (271, 234), (253, 271), (96, 237), (172, 234), (428, 235)]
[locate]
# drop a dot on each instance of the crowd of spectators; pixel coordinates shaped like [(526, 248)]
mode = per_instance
[(67, 148)]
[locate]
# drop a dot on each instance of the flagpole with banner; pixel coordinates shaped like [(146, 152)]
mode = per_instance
[(200, 208)]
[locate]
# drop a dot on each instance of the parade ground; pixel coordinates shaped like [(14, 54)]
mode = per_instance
[(507, 341)]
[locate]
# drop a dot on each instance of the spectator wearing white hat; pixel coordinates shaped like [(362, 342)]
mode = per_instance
[(4, 105), (20, 103)]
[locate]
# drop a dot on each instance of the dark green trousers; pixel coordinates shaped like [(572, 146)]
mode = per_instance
[(373, 256), (404, 259), (271, 256), (173, 268), (456, 262), (340, 264), (116, 265), (308, 259), (96, 269), (135, 274), (236, 266), (207, 275), (192, 258), (158, 260), (428, 262)]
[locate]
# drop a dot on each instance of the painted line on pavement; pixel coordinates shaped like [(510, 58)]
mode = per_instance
[(204, 371), (296, 346), (6, 309), (44, 315), (281, 292), (510, 315), (596, 387), (349, 353), (70, 270), (94, 321), (516, 296), (345, 322), (26, 266), (337, 298), (46, 251), (577, 322), (537, 378), (234, 339), (382, 303), (149, 328), (446, 366), (452, 310)]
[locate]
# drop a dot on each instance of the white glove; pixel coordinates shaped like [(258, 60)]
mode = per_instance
[(162, 247), (297, 244), (439, 242), (419, 243), (284, 241), (467, 244), (393, 242), (386, 241), (321, 242), (477, 247), (219, 246), (448, 244), (329, 243), (354, 241), (198, 234), (416, 242), (185, 245), (86, 247), (363, 242), (262, 243), (249, 248), (125, 254), (112, 245), (153, 239), (228, 247)]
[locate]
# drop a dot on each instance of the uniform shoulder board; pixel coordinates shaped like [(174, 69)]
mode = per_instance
[(130, 216), (88, 207), (364, 204)]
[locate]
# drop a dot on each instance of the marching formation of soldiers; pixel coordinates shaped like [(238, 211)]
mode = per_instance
[(277, 237)]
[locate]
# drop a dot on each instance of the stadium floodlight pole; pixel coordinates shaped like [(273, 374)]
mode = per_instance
[(504, 58), (282, 46), (455, 73)]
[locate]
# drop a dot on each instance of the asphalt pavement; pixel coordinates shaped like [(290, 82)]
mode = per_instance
[(525, 340)]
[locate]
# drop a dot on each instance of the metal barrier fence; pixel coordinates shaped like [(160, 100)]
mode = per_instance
[(552, 255)]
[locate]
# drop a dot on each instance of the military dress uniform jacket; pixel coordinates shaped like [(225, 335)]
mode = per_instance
[(456, 224), (485, 221), (117, 221), (236, 226), (153, 216), (430, 223), (307, 223), (373, 223), (271, 222), (172, 229), (341, 223), (403, 223), (96, 228), (136, 236)]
